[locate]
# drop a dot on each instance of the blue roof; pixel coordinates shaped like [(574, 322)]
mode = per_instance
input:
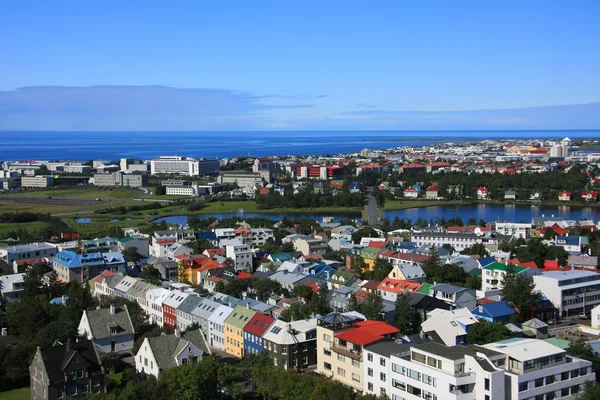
[(58, 300), (511, 340), (494, 310), (70, 259), (484, 261), (568, 240), (355, 185), (281, 256), (206, 235)]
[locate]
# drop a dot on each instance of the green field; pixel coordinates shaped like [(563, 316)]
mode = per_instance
[(404, 204), (17, 394), (84, 193)]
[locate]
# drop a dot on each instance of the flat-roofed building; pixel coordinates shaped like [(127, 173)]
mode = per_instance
[(37, 181), (27, 251), (571, 291)]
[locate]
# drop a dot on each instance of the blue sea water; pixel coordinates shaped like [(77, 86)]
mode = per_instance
[(26, 145)]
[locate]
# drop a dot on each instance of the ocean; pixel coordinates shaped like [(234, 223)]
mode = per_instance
[(26, 145)]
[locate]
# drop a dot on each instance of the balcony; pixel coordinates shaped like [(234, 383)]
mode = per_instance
[(347, 352)]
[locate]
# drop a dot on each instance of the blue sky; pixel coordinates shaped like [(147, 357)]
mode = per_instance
[(295, 65)]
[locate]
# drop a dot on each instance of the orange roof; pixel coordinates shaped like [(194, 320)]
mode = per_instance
[(398, 285), (244, 275), (528, 264), (361, 295), (314, 287), (214, 279), (376, 244), (551, 265), (367, 332), (410, 257), (485, 300), (28, 261), (215, 252), (386, 253)]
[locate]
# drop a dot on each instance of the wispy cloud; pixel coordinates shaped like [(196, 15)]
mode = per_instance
[(362, 105)]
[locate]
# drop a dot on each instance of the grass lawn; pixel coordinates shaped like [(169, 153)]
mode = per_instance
[(83, 193), (403, 204), (231, 207), (17, 394), (118, 377)]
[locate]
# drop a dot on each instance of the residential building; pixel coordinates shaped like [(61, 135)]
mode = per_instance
[(451, 326), (216, 327), (154, 300), (141, 245), (571, 291), (390, 288), (170, 305), (110, 329), (454, 295), (11, 287), (185, 311), (239, 252), (254, 331), (292, 345), (458, 240), (342, 278), (309, 245), (72, 370), (518, 230), (201, 314), (492, 275), (564, 196), (573, 244), (234, 330), (340, 342), (27, 251), (70, 266), (408, 271), (498, 311), (483, 193), (161, 353), (290, 281)]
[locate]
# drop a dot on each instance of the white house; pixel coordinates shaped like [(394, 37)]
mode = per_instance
[(154, 300), (161, 353), (239, 252), (12, 286), (110, 329), (216, 327), (450, 325), (483, 193)]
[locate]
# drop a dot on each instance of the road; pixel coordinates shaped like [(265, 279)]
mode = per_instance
[(371, 208)]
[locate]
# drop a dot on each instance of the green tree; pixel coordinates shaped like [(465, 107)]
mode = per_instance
[(200, 245), (381, 269), (485, 332), (520, 291), (132, 255), (288, 247), (408, 319), (591, 391)]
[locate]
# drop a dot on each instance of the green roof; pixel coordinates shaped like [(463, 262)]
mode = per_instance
[(560, 343), (502, 267), (370, 252), (424, 289), (126, 239), (239, 317)]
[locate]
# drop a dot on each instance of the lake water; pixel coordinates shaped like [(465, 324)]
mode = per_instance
[(494, 212), (24, 145), (487, 212)]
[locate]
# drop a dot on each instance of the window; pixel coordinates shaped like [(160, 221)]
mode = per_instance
[(355, 363), (382, 361), (80, 373), (574, 373), (418, 357), (583, 371), (327, 352), (326, 337), (284, 349), (523, 386), (370, 386), (327, 366), (341, 371), (342, 343), (398, 369), (398, 384), (550, 380), (382, 376), (486, 384), (356, 377), (370, 371), (341, 357), (564, 376), (432, 362), (487, 397), (539, 382), (370, 357), (564, 392)]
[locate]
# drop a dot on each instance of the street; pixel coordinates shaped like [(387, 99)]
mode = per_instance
[(371, 209)]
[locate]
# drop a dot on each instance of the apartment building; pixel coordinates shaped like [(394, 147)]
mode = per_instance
[(184, 166), (216, 326), (292, 344), (492, 276), (27, 251), (340, 342), (239, 252), (309, 245), (572, 291), (170, 305), (455, 296), (154, 301), (458, 240), (70, 266), (518, 230)]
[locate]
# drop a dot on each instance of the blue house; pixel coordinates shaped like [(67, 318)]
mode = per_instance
[(355, 187), (319, 271), (485, 261), (253, 332), (494, 312), (210, 236)]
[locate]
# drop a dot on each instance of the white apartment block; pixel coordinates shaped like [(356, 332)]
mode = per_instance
[(511, 369), (239, 252), (458, 240), (181, 191), (518, 230), (572, 291), (27, 251), (37, 181)]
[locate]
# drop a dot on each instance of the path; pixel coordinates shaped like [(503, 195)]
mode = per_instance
[(371, 209)]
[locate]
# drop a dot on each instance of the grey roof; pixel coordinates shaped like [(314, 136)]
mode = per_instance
[(447, 288), (455, 352), (189, 304), (166, 347), (56, 356), (205, 308), (535, 323), (513, 328), (101, 320), (387, 347), (337, 318)]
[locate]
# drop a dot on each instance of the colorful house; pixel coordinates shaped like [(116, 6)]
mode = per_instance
[(564, 196), (234, 330), (369, 254), (498, 311), (253, 332), (483, 193)]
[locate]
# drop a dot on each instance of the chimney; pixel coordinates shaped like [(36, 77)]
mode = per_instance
[(63, 300), (112, 309), (422, 334), (4, 332), (177, 333)]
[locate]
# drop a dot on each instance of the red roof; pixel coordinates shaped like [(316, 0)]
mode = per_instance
[(313, 256), (30, 261), (377, 244), (485, 300), (163, 242), (258, 324), (104, 274), (361, 295), (314, 287), (215, 252), (551, 265), (410, 257), (214, 279), (562, 193), (398, 285), (371, 285), (483, 190), (369, 166), (386, 253), (244, 275), (529, 264), (367, 332)]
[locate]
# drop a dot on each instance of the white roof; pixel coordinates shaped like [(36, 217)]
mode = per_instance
[(29, 247), (522, 349), (175, 298), (287, 333), (160, 294), (454, 318), (6, 281), (220, 314)]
